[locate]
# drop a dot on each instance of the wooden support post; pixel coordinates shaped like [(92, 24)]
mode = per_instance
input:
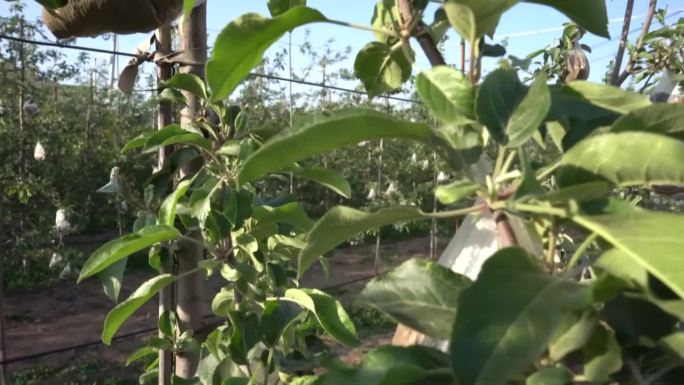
[(189, 289), (3, 356), (164, 118)]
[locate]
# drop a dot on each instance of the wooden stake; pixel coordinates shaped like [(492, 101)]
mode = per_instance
[(3, 357), (189, 289), (164, 118)]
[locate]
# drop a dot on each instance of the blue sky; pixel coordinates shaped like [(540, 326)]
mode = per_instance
[(527, 26)]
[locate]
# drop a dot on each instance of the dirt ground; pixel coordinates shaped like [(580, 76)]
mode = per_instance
[(66, 315)]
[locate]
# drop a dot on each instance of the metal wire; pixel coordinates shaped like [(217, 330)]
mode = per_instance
[(253, 74)]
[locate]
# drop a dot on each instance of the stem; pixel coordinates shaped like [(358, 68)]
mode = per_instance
[(640, 43), (363, 27), (499, 161), (580, 251), (623, 43), (548, 170), (268, 365), (457, 213), (551, 248), (507, 164), (471, 72), (197, 242), (534, 209)]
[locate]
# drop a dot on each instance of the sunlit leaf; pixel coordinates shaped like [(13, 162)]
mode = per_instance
[(329, 312), (381, 68), (241, 45), (188, 82), (624, 159), (324, 133), (125, 309), (447, 94), (529, 114), (650, 239), (114, 251)]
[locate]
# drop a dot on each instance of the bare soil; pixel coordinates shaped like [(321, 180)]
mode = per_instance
[(65, 315)]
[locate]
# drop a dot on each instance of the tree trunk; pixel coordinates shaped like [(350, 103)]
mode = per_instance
[(164, 118), (189, 289)]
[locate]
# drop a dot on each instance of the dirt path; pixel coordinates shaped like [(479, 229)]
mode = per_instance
[(66, 315)]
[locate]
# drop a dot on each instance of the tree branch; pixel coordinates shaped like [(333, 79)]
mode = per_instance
[(623, 43), (640, 43), (421, 33)]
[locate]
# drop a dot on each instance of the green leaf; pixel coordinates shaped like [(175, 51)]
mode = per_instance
[(447, 94), (381, 68), (341, 223), (507, 317), (530, 113), (112, 278), (324, 133), (118, 249), (602, 355), (395, 365), (454, 192), (573, 335), (277, 316), (174, 134), (329, 312), (616, 263), (327, 178), (188, 82), (550, 376), (675, 343), (579, 192), (122, 311), (167, 210), (223, 301), (497, 99), (241, 45), (475, 18), (137, 142), (244, 336), (660, 118), (460, 146), (650, 239), (624, 159), (188, 5), (416, 288), (200, 200), (290, 213), (140, 353), (608, 97), (278, 7), (588, 14), (53, 4)]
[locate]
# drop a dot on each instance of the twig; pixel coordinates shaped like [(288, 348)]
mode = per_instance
[(640, 43)]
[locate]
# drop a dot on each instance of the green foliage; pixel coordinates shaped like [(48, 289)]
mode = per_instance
[(526, 319), (414, 289), (250, 35)]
